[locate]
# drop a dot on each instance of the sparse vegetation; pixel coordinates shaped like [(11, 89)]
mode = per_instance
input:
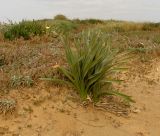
[(18, 58), (22, 65)]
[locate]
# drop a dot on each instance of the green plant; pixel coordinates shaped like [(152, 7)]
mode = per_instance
[(91, 21), (91, 66), (151, 26), (24, 29), (60, 17), (156, 39), (139, 50), (7, 106), (64, 26), (17, 80)]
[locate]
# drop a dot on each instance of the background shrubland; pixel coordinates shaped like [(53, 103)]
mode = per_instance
[(29, 50)]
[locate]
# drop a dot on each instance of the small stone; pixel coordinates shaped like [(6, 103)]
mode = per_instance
[(136, 110)]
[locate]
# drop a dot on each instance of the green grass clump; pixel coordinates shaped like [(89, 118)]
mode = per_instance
[(17, 81), (64, 26), (24, 29), (91, 66)]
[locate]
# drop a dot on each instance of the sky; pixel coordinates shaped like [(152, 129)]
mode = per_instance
[(131, 10)]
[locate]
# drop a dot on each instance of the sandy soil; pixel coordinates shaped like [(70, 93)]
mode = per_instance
[(55, 111)]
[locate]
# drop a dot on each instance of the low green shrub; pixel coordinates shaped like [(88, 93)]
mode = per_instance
[(24, 29), (91, 66), (151, 26), (60, 17), (91, 21), (64, 26)]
